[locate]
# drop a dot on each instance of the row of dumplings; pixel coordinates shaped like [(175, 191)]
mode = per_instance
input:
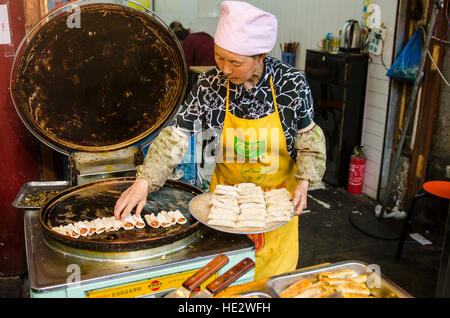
[(109, 224), (165, 219), (100, 225)]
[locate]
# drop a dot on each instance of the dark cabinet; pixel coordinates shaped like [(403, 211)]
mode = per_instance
[(338, 87)]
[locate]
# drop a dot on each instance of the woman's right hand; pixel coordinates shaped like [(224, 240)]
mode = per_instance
[(136, 195)]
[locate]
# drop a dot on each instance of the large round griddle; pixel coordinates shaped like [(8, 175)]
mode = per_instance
[(102, 86), (97, 200)]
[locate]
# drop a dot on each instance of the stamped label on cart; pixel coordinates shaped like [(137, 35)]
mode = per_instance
[(146, 287)]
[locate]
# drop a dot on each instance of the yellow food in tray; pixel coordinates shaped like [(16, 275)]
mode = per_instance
[(296, 288), (327, 283)]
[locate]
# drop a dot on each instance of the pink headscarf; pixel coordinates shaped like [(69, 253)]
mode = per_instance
[(244, 29)]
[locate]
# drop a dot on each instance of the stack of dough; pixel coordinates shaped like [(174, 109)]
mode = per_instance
[(252, 206), (246, 205), (224, 206), (279, 205)]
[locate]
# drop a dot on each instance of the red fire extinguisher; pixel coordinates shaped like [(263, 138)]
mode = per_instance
[(356, 171)]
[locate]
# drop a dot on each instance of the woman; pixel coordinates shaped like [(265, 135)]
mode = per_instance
[(198, 47), (259, 112)]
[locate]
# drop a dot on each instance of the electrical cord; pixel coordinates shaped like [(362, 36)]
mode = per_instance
[(440, 40), (379, 37), (433, 61), (437, 68), (382, 51)]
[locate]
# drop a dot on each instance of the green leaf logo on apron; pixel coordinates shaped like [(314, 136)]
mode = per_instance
[(250, 150)]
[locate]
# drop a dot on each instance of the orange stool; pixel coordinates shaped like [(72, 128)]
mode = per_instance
[(433, 189)]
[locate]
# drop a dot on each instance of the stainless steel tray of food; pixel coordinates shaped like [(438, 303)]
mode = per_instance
[(379, 286), (34, 194)]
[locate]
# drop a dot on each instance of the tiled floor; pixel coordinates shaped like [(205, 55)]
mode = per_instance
[(327, 235)]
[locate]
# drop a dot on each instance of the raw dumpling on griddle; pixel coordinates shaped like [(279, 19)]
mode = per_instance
[(61, 230), (65, 229), (100, 227), (172, 217), (91, 227), (152, 220), (180, 219), (82, 229), (164, 219), (138, 221), (117, 224), (73, 231), (108, 224), (128, 222)]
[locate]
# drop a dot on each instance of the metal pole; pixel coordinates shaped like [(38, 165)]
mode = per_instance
[(411, 103)]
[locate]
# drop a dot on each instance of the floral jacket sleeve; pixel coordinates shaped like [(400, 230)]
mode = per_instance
[(311, 154), (164, 154)]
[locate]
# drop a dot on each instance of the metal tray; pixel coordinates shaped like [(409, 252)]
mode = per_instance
[(33, 187), (385, 289)]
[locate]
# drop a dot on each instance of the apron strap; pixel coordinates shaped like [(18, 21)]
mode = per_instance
[(228, 96), (273, 95)]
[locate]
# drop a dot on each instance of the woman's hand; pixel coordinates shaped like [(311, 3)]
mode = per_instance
[(301, 196), (136, 195)]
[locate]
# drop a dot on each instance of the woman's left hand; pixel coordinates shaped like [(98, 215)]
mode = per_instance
[(301, 196)]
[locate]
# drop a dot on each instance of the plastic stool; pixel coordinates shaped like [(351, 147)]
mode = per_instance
[(432, 189)]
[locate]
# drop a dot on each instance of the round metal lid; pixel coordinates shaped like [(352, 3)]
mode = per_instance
[(97, 77)]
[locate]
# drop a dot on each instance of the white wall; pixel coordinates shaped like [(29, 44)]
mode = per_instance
[(307, 22), (377, 95), (304, 21)]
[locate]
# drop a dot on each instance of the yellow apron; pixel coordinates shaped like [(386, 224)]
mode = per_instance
[(255, 151)]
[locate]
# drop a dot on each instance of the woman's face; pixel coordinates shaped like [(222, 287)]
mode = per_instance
[(238, 68)]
